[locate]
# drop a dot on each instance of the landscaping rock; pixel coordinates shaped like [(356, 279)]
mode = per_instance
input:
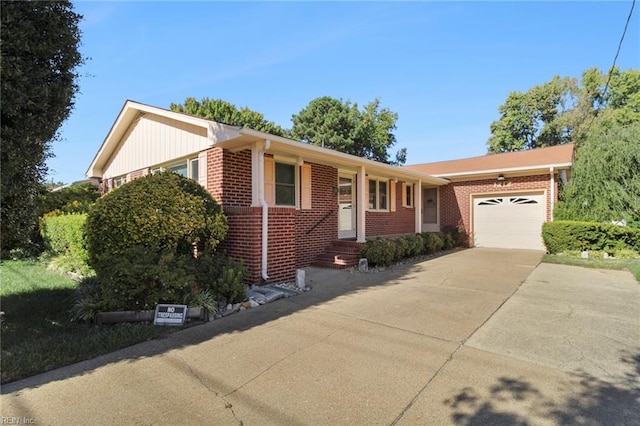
[(269, 293)]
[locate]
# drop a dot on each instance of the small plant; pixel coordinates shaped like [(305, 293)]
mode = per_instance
[(203, 299), (87, 300)]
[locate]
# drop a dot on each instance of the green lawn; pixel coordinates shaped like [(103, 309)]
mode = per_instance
[(632, 265), (37, 334)]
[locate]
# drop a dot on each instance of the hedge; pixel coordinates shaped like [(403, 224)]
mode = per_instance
[(561, 236), (385, 251), (63, 236)]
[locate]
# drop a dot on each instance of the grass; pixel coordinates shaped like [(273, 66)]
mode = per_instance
[(632, 265), (38, 335)]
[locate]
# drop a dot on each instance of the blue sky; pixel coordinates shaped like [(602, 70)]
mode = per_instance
[(444, 67)]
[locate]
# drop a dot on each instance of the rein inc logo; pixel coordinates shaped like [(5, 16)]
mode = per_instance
[(17, 421)]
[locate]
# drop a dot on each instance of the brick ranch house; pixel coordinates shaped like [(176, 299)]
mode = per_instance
[(291, 204)]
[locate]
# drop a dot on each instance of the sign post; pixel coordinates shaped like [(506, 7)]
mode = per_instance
[(170, 314)]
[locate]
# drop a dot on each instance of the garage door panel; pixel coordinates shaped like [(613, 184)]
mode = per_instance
[(513, 221)]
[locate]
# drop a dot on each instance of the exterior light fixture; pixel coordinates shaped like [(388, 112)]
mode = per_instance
[(500, 178)]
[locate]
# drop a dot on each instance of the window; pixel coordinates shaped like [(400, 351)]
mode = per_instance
[(378, 194), (285, 184), (187, 168), (119, 181), (408, 195)]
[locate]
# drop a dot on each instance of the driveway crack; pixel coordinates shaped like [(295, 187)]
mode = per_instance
[(227, 404)]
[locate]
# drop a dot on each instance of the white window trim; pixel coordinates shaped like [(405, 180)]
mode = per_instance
[(188, 161), (377, 180), (297, 181), (120, 180), (406, 188)]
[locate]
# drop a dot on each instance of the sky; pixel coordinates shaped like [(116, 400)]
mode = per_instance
[(443, 67)]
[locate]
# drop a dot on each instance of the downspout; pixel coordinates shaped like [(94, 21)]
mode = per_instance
[(553, 192), (265, 210)]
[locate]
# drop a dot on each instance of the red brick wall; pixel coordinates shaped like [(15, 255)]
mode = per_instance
[(401, 221), (281, 258), (455, 198), (290, 244), (316, 228), (243, 239), (229, 176)]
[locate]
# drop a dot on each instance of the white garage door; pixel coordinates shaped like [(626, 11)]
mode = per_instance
[(509, 221)]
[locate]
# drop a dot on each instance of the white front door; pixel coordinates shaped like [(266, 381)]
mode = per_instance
[(346, 207)]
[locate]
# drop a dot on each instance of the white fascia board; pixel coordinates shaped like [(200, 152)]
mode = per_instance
[(129, 113), (324, 155), (507, 170)]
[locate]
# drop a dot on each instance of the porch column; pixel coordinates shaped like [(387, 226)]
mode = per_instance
[(417, 199), (361, 205)]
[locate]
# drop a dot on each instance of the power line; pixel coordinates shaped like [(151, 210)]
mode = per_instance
[(624, 32), (606, 86)]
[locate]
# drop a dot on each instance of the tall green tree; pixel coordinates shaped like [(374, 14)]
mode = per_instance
[(605, 183), (225, 112), (564, 109), (342, 126), (39, 43)]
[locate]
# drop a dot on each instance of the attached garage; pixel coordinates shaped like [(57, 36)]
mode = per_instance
[(509, 220)]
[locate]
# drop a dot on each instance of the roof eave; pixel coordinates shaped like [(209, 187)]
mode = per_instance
[(324, 155), (537, 168)]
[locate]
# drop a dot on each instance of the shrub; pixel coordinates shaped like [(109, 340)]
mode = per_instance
[(163, 211), (561, 236), (447, 241), (143, 236), (416, 245), (385, 251), (222, 276), (458, 234), (626, 254), (379, 252), (63, 236), (432, 242), (401, 249)]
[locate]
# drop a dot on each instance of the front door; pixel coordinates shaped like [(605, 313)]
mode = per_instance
[(346, 207), (430, 210)]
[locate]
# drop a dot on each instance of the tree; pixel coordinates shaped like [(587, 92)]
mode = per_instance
[(605, 185), (564, 109), (342, 126), (39, 43), (225, 112)]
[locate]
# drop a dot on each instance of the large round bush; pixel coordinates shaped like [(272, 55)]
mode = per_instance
[(161, 211), (141, 236)]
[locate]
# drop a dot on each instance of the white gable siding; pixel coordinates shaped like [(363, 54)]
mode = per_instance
[(153, 140)]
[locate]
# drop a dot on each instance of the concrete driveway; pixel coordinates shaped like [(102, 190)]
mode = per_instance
[(479, 336)]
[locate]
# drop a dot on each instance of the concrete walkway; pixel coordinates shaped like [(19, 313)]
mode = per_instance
[(454, 340)]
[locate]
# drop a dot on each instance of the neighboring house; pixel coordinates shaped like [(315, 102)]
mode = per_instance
[(501, 200), (288, 204)]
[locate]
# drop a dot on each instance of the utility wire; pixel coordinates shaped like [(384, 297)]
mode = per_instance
[(606, 86)]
